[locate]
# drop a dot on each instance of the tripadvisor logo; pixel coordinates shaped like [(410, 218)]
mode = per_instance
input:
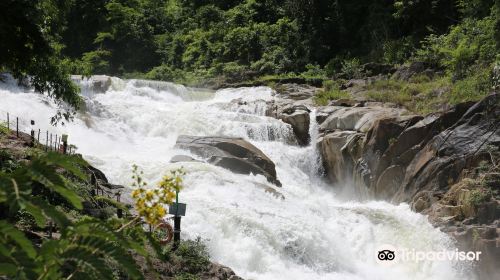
[(388, 255)]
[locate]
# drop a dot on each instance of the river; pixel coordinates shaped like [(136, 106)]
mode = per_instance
[(311, 234)]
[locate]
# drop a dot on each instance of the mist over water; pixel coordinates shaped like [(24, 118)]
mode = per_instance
[(311, 234)]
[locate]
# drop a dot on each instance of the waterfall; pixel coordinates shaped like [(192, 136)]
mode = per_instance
[(311, 234)]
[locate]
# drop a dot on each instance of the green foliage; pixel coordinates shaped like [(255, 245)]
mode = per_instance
[(331, 91), (84, 247), (4, 129), (480, 195), (398, 51), (469, 43), (352, 68), (29, 49), (473, 87), (421, 94), (193, 255)]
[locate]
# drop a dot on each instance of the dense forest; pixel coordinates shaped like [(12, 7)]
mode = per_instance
[(188, 41)]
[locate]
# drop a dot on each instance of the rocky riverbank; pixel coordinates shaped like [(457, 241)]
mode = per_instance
[(445, 164)]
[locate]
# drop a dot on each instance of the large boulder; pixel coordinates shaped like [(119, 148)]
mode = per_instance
[(440, 162), (234, 154), (358, 118), (338, 153), (298, 117)]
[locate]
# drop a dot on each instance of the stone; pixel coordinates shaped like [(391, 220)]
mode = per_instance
[(462, 145), (182, 158), (389, 182), (235, 154), (298, 117), (337, 161), (358, 118), (296, 91), (405, 72)]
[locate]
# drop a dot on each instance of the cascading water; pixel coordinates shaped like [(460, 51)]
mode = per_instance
[(310, 234)]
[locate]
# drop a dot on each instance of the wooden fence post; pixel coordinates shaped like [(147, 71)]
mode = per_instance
[(32, 133), (17, 127)]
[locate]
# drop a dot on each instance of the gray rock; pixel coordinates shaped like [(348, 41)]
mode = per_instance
[(296, 91), (405, 72), (182, 158), (234, 154), (298, 117), (444, 157)]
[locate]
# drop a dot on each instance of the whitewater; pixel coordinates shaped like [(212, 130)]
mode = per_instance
[(311, 234)]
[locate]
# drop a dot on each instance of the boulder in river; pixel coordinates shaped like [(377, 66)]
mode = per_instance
[(298, 117), (235, 154)]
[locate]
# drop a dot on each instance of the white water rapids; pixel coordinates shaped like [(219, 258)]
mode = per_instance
[(311, 234)]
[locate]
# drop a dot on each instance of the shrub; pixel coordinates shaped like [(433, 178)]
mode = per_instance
[(473, 87), (398, 51), (352, 68), (479, 196), (193, 255)]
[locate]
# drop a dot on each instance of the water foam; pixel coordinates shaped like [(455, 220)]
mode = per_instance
[(309, 235)]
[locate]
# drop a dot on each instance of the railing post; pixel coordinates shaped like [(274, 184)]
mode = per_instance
[(47, 142), (8, 121), (17, 127), (32, 133)]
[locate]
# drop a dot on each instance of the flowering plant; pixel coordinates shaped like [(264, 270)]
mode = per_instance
[(149, 203)]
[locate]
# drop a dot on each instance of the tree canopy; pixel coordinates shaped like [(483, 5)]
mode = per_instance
[(168, 39)]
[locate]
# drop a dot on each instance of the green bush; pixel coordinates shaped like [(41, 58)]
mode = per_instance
[(352, 68), (398, 51), (469, 43), (479, 196), (193, 255), (474, 87)]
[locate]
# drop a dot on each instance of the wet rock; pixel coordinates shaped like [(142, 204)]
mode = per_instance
[(389, 182), (336, 149), (182, 158), (298, 117), (95, 83), (234, 154)]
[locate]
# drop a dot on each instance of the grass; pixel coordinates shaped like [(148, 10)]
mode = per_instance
[(420, 95), (424, 95), (324, 96), (331, 91), (4, 129)]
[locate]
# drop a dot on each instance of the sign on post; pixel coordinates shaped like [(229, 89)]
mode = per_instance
[(177, 209)]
